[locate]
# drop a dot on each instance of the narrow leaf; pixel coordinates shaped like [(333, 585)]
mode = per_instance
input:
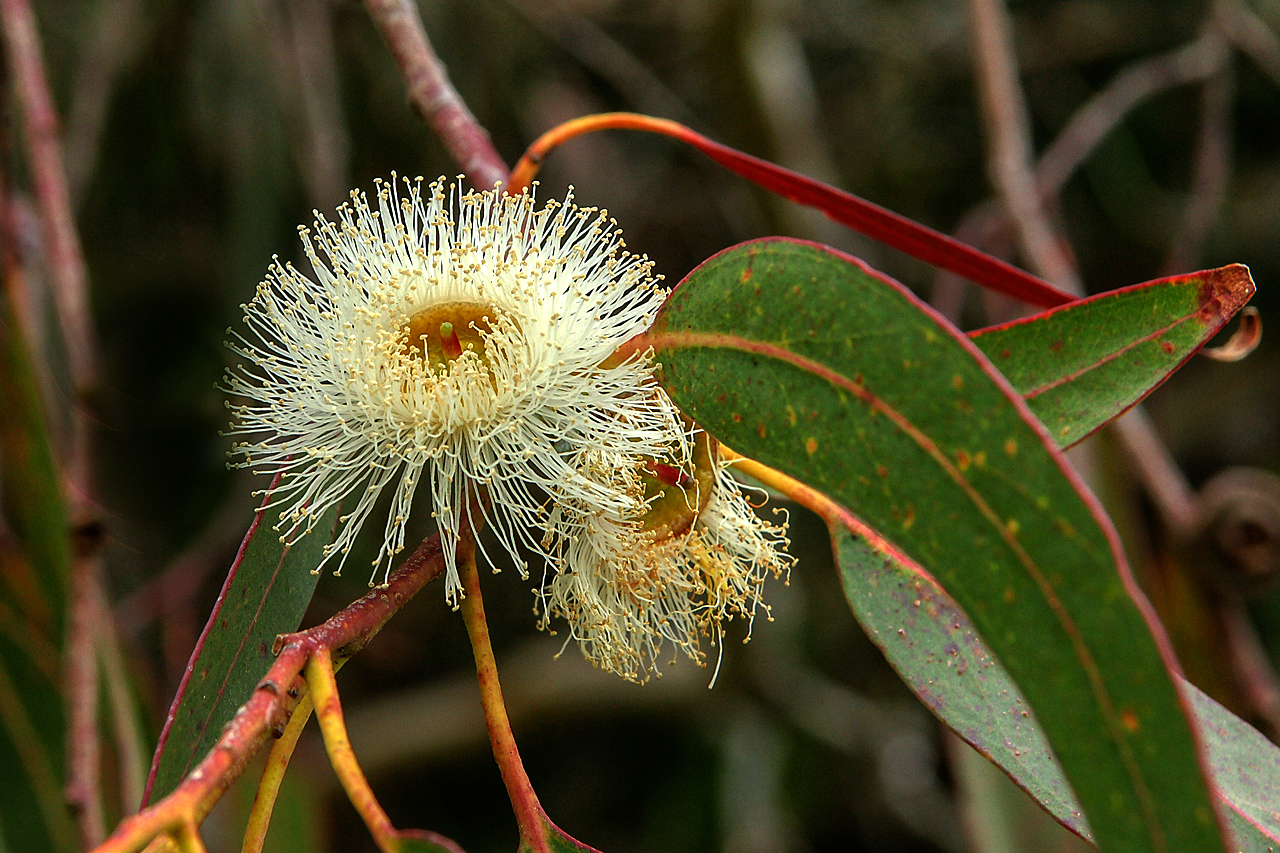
[(34, 564), (32, 728), (805, 359), (1082, 365), (876, 222), (266, 593), (31, 491)]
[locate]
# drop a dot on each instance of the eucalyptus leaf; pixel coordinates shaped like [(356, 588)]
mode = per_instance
[(805, 359), (266, 593)]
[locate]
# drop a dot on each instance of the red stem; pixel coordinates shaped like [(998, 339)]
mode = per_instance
[(524, 802)]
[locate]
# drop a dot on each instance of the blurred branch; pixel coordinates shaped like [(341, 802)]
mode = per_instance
[(783, 88), (431, 94), (70, 289), (987, 226), (118, 35), (131, 758), (601, 53), (62, 245), (1250, 34), (1159, 474), (84, 749), (269, 709), (1102, 113), (1023, 196), (299, 42), (177, 583), (1010, 152), (1211, 172)]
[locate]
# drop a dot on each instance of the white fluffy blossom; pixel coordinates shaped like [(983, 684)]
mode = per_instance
[(461, 339), (694, 559)]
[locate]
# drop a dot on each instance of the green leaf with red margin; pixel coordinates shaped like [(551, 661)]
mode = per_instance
[(266, 593), (807, 360), (34, 566), (1083, 364), (929, 640)]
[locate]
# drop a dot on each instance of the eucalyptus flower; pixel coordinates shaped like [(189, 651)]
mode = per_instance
[(696, 557), (462, 339)]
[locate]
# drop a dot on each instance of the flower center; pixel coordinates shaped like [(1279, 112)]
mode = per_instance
[(442, 333), (676, 496)]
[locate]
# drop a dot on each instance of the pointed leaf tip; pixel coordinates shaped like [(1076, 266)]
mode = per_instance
[(1225, 290)]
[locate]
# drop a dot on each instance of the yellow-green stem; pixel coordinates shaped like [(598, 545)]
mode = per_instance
[(333, 727), (264, 801)]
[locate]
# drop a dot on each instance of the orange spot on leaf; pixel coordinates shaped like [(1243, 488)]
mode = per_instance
[(1130, 721), (811, 446)]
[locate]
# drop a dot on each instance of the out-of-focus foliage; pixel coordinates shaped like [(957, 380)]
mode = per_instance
[(200, 135)]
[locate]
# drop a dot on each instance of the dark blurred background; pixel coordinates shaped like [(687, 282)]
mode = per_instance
[(200, 135)]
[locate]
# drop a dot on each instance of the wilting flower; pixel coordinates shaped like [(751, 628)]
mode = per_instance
[(465, 339), (696, 557)]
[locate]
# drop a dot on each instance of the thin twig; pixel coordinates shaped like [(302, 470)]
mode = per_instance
[(84, 749), (1023, 197), (605, 56), (131, 760), (176, 585), (1252, 666), (1010, 154), (272, 704), (433, 96), (988, 228), (62, 244), (299, 45)]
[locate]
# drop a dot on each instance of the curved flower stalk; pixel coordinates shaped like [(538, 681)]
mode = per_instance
[(464, 339), (693, 560)]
